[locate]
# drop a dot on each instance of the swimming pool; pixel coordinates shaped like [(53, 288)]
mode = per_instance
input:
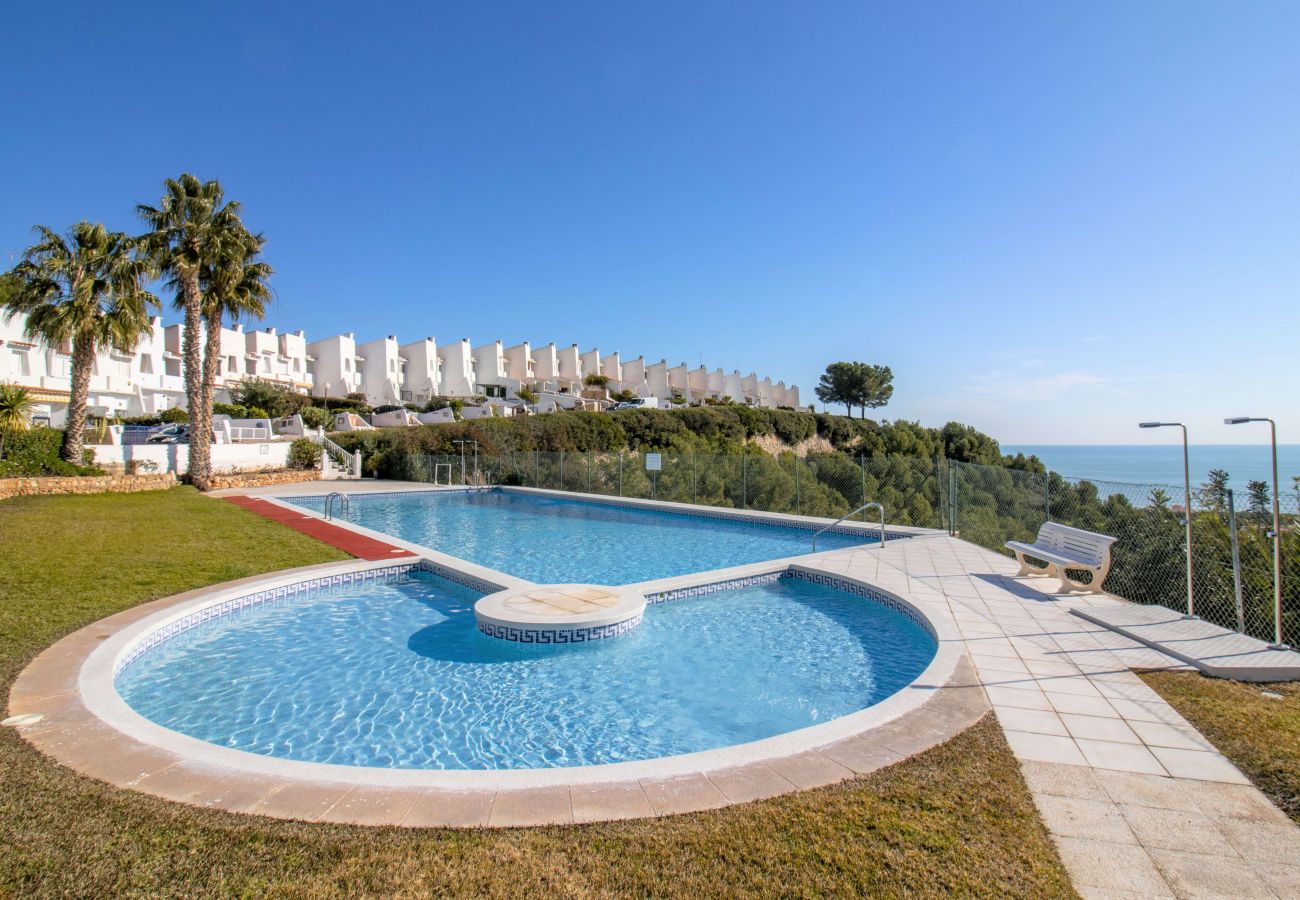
[(392, 673), (557, 540)]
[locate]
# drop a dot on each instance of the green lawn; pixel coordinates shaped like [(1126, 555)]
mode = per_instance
[(1257, 726), (956, 820)]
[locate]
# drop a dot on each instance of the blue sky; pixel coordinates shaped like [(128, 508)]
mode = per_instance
[(1051, 220)]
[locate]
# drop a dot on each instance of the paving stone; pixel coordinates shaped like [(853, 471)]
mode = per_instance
[(1045, 748), (810, 770), (1099, 728), (1036, 721), (1124, 757), (1138, 789), (753, 782), (531, 806), (1240, 801), (438, 808), (1098, 820), (1272, 842), (1194, 875), (1186, 831), (1059, 780), (1198, 764), (685, 793), (609, 802), (1111, 867)]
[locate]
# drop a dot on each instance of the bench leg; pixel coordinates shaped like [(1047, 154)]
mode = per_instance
[(1027, 569), (1068, 584)]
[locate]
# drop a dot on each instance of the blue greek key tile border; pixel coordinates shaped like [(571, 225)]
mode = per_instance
[(732, 584), (829, 581), (557, 635), (236, 605), (849, 587)]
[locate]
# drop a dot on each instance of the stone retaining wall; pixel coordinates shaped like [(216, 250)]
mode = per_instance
[(223, 480), (92, 484)]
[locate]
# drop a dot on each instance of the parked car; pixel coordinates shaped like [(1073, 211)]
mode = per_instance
[(639, 403), (171, 434)]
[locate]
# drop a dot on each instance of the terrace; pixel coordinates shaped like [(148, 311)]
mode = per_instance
[(1132, 796)]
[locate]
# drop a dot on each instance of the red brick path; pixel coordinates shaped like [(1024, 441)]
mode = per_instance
[(348, 541)]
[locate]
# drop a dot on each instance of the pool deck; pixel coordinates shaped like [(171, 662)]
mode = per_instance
[(1136, 800)]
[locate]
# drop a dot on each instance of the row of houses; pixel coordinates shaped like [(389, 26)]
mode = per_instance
[(150, 379)]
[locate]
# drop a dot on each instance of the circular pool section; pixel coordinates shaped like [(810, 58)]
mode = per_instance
[(395, 674)]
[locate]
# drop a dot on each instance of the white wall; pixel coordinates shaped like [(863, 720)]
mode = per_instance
[(176, 457)]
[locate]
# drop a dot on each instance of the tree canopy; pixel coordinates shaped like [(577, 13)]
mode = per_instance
[(856, 384)]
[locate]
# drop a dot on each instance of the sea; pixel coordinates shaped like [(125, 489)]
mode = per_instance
[(1163, 463)]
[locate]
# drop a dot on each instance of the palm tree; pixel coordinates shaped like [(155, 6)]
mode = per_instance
[(235, 286), (190, 229), (16, 405), (86, 289)]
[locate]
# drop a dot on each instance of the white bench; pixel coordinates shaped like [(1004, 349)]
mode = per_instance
[(1063, 547)]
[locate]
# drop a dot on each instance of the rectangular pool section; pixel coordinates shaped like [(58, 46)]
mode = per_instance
[(557, 540)]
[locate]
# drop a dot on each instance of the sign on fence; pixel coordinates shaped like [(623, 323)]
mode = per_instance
[(654, 462)]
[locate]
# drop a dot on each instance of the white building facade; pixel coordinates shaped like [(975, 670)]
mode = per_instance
[(389, 373)]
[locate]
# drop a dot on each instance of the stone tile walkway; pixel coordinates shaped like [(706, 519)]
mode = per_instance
[(1138, 802)]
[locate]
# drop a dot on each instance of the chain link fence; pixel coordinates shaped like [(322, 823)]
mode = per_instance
[(986, 505)]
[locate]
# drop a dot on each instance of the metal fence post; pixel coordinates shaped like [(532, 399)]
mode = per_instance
[(1236, 564), (561, 470), (862, 464), (695, 478), (589, 456), (744, 481), (537, 466), (620, 473), (798, 501), (952, 499), (1047, 496)]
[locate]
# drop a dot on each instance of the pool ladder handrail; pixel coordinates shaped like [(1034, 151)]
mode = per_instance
[(345, 505), (879, 506)]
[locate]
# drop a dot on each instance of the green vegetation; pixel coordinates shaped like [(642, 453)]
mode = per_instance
[(37, 452), (16, 405), (304, 454), (956, 820), (1257, 726), (856, 384), (83, 289)]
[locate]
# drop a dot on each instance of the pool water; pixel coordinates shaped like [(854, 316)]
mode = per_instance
[(552, 540), (395, 674)]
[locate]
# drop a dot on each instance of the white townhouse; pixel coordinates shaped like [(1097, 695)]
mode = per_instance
[(336, 369), (382, 370), (151, 378), (422, 377)]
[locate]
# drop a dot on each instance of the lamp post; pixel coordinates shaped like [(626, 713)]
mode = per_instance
[(1277, 532), (1187, 507)]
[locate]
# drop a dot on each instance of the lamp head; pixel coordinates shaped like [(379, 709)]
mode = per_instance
[(1149, 424), (1239, 420)]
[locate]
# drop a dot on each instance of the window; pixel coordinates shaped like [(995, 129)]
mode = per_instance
[(18, 362), (146, 365)]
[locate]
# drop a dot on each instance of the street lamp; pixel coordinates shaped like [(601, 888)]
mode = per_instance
[(1187, 506), (1277, 532)]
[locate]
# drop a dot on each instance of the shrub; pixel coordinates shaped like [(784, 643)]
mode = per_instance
[(173, 416), (230, 409), (315, 417), (36, 452), (304, 454)]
